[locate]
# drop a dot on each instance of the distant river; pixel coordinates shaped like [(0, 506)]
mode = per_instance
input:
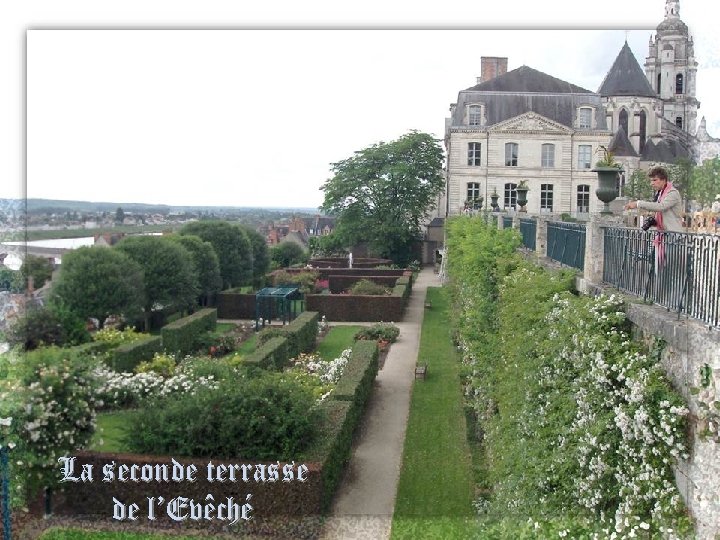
[(13, 262)]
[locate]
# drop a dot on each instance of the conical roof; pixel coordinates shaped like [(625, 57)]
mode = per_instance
[(620, 145), (626, 77)]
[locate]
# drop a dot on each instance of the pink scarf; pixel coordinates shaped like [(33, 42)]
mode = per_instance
[(658, 240)]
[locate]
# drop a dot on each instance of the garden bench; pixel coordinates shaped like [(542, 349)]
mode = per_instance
[(420, 371)]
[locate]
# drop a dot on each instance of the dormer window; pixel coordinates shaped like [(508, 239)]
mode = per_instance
[(474, 113), (585, 118)]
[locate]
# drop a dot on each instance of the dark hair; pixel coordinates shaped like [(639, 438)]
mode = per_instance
[(660, 172)]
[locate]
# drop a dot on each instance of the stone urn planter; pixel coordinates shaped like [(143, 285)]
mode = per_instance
[(494, 202), (607, 190), (522, 191)]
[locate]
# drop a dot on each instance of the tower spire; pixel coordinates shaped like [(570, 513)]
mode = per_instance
[(672, 9)]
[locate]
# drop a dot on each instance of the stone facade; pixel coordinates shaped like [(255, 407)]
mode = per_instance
[(528, 125)]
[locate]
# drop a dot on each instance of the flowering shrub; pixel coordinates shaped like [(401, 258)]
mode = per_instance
[(53, 411), (118, 337), (580, 427), (316, 374), (264, 417), (118, 390), (161, 364), (380, 331)]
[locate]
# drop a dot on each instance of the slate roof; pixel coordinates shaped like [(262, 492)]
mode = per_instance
[(527, 79), (665, 151), (526, 89), (626, 77), (620, 145)]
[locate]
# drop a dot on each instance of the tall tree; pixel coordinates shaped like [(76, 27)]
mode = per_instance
[(232, 247), (97, 282), (119, 215), (381, 194), (261, 255), (170, 277), (206, 264)]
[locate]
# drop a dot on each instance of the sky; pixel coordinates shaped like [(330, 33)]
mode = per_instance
[(227, 103)]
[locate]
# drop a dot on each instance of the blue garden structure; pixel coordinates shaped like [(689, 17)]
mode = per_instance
[(283, 303)]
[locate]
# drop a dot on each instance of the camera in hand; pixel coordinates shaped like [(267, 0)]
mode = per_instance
[(648, 222)]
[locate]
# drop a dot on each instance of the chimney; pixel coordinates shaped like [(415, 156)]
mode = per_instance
[(491, 67)]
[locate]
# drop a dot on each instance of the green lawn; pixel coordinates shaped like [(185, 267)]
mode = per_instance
[(59, 533), (247, 346), (109, 431), (336, 341), (223, 327), (435, 490)]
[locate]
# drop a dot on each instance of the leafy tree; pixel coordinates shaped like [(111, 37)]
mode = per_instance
[(119, 215), (381, 194), (97, 282), (287, 254), (705, 181), (261, 255), (169, 273), (638, 186), (206, 264), (327, 245), (11, 280), (39, 268), (232, 247), (37, 327)]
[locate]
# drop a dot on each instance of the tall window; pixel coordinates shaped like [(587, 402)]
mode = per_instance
[(678, 121), (474, 154), (511, 154), (548, 155), (658, 83), (583, 198), (510, 198), (585, 118), (679, 83), (546, 197), (474, 115), (643, 129), (584, 156), (624, 121), (473, 190)]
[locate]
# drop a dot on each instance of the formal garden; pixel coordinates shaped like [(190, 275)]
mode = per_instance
[(196, 392)]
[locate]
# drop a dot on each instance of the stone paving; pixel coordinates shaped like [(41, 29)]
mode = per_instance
[(365, 500)]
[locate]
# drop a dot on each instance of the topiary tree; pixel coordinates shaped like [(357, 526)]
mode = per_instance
[(232, 246), (170, 279), (207, 264), (95, 282)]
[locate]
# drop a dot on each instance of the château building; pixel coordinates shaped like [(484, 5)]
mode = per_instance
[(527, 125)]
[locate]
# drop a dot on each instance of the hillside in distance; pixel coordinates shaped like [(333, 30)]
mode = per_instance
[(59, 206)]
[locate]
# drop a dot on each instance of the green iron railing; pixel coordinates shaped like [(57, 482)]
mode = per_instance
[(528, 228), (566, 243), (679, 271)]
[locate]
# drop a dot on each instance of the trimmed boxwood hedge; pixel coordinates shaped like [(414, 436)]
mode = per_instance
[(301, 333), (126, 357), (179, 336), (273, 355), (356, 382), (333, 447)]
